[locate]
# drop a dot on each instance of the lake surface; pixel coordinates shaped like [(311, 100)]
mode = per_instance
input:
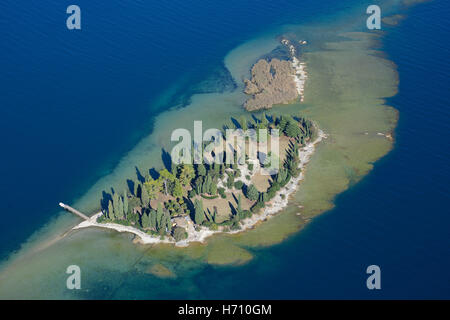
[(74, 104)]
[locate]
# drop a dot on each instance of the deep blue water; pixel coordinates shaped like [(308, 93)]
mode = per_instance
[(397, 217), (73, 102)]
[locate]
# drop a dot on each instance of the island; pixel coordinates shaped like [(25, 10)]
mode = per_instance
[(275, 81), (190, 202)]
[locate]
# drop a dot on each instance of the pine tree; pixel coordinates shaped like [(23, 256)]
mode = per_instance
[(153, 187), (292, 129), (177, 189), (186, 173), (167, 179)]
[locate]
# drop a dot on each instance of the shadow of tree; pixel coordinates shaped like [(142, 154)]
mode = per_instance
[(233, 209), (166, 159), (106, 197), (236, 123), (140, 177), (131, 186), (153, 173)]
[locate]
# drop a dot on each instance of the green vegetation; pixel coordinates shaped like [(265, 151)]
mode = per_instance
[(238, 185), (199, 216), (204, 196), (252, 193), (179, 233), (190, 190), (222, 193)]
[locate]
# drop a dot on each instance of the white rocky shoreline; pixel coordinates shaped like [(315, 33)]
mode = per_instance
[(272, 207), (300, 75)]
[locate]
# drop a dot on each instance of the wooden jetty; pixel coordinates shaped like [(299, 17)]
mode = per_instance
[(74, 211)]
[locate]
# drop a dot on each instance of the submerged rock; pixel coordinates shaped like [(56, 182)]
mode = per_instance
[(161, 271)]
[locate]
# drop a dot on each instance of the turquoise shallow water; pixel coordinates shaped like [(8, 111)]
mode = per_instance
[(73, 104), (395, 217)]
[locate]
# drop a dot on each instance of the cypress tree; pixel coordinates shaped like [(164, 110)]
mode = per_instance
[(168, 222), (243, 123), (216, 168), (264, 121), (110, 210), (207, 185), (213, 189), (198, 185), (230, 181), (117, 214), (239, 204), (252, 192), (145, 220), (120, 209), (145, 198), (204, 189), (159, 217), (281, 176), (125, 203), (201, 170), (137, 189), (199, 214), (152, 218)]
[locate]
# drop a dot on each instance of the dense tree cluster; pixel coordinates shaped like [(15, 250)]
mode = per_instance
[(152, 202)]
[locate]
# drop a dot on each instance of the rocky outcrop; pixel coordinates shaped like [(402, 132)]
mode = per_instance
[(272, 82)]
